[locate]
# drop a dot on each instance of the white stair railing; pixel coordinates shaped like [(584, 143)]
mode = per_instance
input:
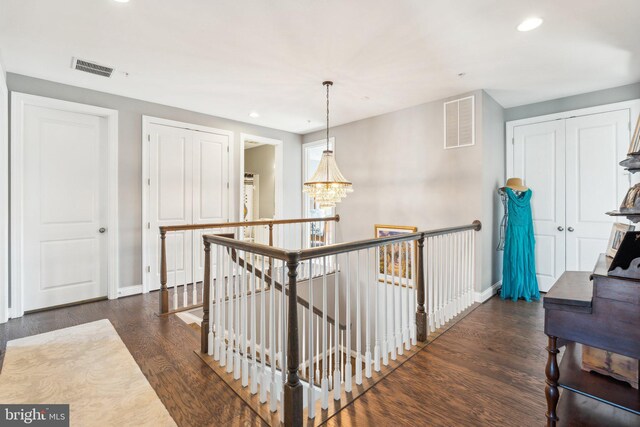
[(391, 292)]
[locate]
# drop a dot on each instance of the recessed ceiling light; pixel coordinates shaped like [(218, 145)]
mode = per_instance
[(122, 1), (530, 24), (254, 114)]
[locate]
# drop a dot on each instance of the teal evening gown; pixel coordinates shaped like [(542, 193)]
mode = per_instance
[(519, 265)]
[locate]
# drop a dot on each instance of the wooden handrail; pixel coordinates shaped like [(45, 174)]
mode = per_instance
[(271, 222), (338, 248)]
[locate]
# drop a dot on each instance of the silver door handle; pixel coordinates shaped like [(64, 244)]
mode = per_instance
[(102, 229), (560, 228), (570, 229)]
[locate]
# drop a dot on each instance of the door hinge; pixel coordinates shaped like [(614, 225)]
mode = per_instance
[(149, 225), (227, 185), (148, 269), (149, 137), (148, 181), (513, 141), (227, 148)]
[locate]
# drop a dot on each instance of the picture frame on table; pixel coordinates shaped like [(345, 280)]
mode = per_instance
[(618, 230), (402, 271)]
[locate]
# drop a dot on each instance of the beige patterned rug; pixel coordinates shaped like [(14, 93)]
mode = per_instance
[(87, 366)]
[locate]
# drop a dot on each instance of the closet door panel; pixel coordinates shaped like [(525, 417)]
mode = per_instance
[(210, 188), (539, 159), (595, 183), (170, 201)]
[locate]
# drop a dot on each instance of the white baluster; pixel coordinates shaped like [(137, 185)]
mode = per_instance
[(311, 400), (393, 339), (428, 244), (218, 293), (329, 365), (358, 324), (342, 356), (324, 383), (473, 262), (376, 288), (367, 354), (408, 312), (175, 272), (272, 342), (414, 293), (401, 312), (254, 360), (304, 336), (385, 317), (318, 349), (245, 329), (195, 252), (336, 336), (230, 298), (263, 347), (347, 367), (210, 302), (237, 308)]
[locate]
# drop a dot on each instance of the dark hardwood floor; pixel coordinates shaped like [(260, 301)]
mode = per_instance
[(486, 370)]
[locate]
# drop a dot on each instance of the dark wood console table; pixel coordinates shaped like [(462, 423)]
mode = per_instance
[(600, 311)]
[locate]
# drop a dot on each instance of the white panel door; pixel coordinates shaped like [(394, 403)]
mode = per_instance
[(595, 183), (188, 184), (539, 159), (64, 197), (210, 188), (170, 200)]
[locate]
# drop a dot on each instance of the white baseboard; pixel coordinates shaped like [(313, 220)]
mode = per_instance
[(487, 293), (129, 290)]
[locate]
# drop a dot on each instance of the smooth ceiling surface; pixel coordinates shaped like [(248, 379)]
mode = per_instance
[(228, 58)]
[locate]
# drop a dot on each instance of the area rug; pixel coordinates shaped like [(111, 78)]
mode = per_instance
[(87, 366)]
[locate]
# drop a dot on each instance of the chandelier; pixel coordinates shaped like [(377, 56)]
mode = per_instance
[(327, 186)]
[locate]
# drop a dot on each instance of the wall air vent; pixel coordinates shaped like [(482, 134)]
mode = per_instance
[(91, 67), (459, 122)]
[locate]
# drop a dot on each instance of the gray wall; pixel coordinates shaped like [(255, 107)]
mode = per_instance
[(402, 175), (493, 177), (130, 157), (585, 100), (260, 160)]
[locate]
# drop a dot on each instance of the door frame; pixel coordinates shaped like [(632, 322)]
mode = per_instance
[(145, 183), (633, 106), (4, 198), (18, 103), (279, 184)]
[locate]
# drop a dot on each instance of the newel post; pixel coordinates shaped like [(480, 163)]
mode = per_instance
[(206, 284), (293, 386), (421, 314), (164, 292)]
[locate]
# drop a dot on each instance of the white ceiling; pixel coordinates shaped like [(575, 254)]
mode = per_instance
[(227, 58)]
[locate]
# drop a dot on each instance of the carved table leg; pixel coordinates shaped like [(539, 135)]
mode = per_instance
[(553, 374)]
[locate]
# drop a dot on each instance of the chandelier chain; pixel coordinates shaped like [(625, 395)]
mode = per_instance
[(328, 116)]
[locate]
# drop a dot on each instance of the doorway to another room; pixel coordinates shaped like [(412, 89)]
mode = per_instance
[(261, 170)]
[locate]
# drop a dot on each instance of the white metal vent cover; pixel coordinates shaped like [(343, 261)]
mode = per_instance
[(91, 67), (459, 122)]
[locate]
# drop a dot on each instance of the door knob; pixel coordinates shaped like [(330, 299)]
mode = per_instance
[(102, 229), (560, 228), (570, 229)]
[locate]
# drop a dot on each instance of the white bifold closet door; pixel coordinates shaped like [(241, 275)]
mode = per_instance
[(188, 184), (572, 167)]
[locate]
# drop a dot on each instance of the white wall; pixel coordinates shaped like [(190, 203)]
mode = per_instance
[(130, 112)]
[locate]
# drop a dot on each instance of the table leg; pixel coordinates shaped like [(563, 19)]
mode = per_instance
[(553, 374)]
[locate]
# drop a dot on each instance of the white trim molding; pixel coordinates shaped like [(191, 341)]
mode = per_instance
[(146, 122), (18, 103), (4, 198), (279, 184), (487, 293), (129, 290)]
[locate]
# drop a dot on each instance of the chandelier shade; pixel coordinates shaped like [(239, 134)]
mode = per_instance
[(327, 186)]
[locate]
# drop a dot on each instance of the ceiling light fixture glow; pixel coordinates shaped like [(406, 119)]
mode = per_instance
[(254, 114), (122, 1), (530, 24)]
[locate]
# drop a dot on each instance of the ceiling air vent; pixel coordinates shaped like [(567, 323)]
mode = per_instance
[(459, 122), (91, 67)]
